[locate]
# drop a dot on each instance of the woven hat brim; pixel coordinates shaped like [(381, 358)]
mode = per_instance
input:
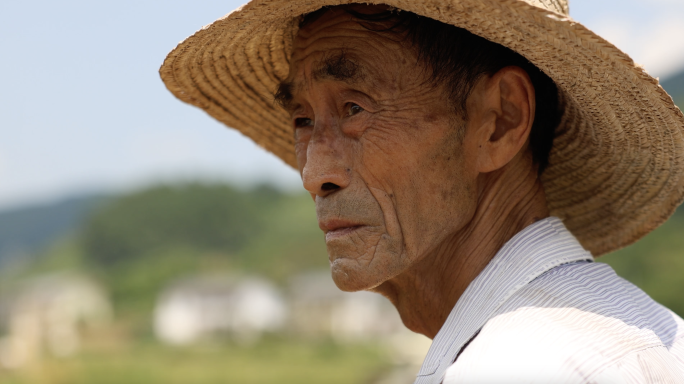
[(615, 170)]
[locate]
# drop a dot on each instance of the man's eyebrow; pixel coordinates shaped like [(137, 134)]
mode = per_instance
[(283, 95), (336, 67), (339, 67)]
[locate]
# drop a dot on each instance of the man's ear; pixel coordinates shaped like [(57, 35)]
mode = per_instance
[(500, 116)]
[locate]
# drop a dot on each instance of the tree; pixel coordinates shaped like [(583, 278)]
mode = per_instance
[(203, 217)]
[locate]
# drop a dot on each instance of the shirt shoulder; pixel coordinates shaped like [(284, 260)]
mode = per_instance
[(578, 323)]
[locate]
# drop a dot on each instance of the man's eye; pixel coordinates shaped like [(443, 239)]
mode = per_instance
[(353, 109), (303, 122)]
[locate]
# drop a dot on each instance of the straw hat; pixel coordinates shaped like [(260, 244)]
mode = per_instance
[(616, 168)]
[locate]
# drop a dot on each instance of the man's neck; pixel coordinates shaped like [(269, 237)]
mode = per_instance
[(509, 200)]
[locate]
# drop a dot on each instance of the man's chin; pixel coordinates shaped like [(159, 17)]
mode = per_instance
[(350, 276), (358, 268)]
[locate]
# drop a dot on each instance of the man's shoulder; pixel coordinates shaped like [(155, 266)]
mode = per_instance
[(555, 339), (569, 325), (568, 345), (590, 291)]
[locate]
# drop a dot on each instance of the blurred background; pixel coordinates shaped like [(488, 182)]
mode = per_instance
[(142, 242)]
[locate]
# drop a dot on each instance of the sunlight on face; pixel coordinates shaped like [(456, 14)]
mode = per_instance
[(378, 148)]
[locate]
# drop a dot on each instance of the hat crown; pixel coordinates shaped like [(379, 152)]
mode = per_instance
[(558, 6)]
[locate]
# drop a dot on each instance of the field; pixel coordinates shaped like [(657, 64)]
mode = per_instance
[(274, 360)]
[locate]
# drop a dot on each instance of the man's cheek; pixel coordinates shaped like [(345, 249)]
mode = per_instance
[(383, 145)]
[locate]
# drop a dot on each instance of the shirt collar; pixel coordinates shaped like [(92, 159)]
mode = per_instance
[(538, 248)]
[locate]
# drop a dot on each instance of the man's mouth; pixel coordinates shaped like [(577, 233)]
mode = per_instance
[(341, 232), (335, 229)]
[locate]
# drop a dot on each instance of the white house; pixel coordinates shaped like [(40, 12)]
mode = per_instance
[(45, 315), (319, 308), (201, 307)]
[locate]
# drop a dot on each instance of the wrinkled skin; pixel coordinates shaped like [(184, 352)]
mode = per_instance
[(414, 200)]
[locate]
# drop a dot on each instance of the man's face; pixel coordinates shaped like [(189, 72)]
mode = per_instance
[(379, 148)]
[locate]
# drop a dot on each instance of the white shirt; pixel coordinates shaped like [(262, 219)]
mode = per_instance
[(543, 312)]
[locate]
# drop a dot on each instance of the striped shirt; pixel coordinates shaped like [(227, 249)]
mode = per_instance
[(543, 311)]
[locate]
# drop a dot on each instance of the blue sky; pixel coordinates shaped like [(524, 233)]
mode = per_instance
[(82, 107)]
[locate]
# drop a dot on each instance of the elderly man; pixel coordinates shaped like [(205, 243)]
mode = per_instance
[(466, 158)]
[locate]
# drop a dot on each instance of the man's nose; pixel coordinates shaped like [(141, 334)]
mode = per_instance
[(326, 170)]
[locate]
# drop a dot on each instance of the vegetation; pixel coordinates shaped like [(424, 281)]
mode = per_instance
[(139, 243), (656, 263), (24, 231), (270, 361), (207, 218), (674, 85)]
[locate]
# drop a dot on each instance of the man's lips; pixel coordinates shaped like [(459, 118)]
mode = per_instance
[(338, 228)]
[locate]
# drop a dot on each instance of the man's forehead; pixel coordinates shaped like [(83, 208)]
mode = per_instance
[(336, 65), (339, 66), (337, 47), (332, 65)]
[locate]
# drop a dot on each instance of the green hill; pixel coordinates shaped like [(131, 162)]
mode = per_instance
[(138, 243), (674, 85), (26, 230)]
